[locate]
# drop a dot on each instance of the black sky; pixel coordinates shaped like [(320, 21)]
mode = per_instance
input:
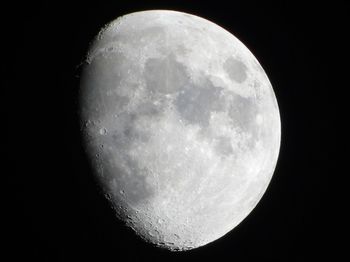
[(52, 209)]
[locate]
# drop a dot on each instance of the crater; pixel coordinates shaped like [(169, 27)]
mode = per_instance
[(195, 103), (165, 75), (236, 70)]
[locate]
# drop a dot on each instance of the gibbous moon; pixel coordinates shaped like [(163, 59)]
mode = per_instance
[(181, 126)]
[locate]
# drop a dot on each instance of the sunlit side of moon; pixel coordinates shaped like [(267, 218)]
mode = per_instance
[(181, 125)]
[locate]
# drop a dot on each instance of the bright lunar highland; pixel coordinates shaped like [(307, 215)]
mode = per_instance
[(180, 124)]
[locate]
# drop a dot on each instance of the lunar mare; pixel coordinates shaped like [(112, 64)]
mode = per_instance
[(181, 125)]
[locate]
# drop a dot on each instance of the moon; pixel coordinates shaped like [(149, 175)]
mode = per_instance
[(180, 124)]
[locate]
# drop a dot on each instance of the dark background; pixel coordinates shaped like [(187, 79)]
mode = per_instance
[(53, 210)]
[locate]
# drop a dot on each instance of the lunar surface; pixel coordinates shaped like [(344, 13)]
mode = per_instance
[(181, 126)]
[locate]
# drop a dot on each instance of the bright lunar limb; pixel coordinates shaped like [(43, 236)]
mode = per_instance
[(181, 125)]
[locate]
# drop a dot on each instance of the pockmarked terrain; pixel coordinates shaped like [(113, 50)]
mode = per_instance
[(181, 125)]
